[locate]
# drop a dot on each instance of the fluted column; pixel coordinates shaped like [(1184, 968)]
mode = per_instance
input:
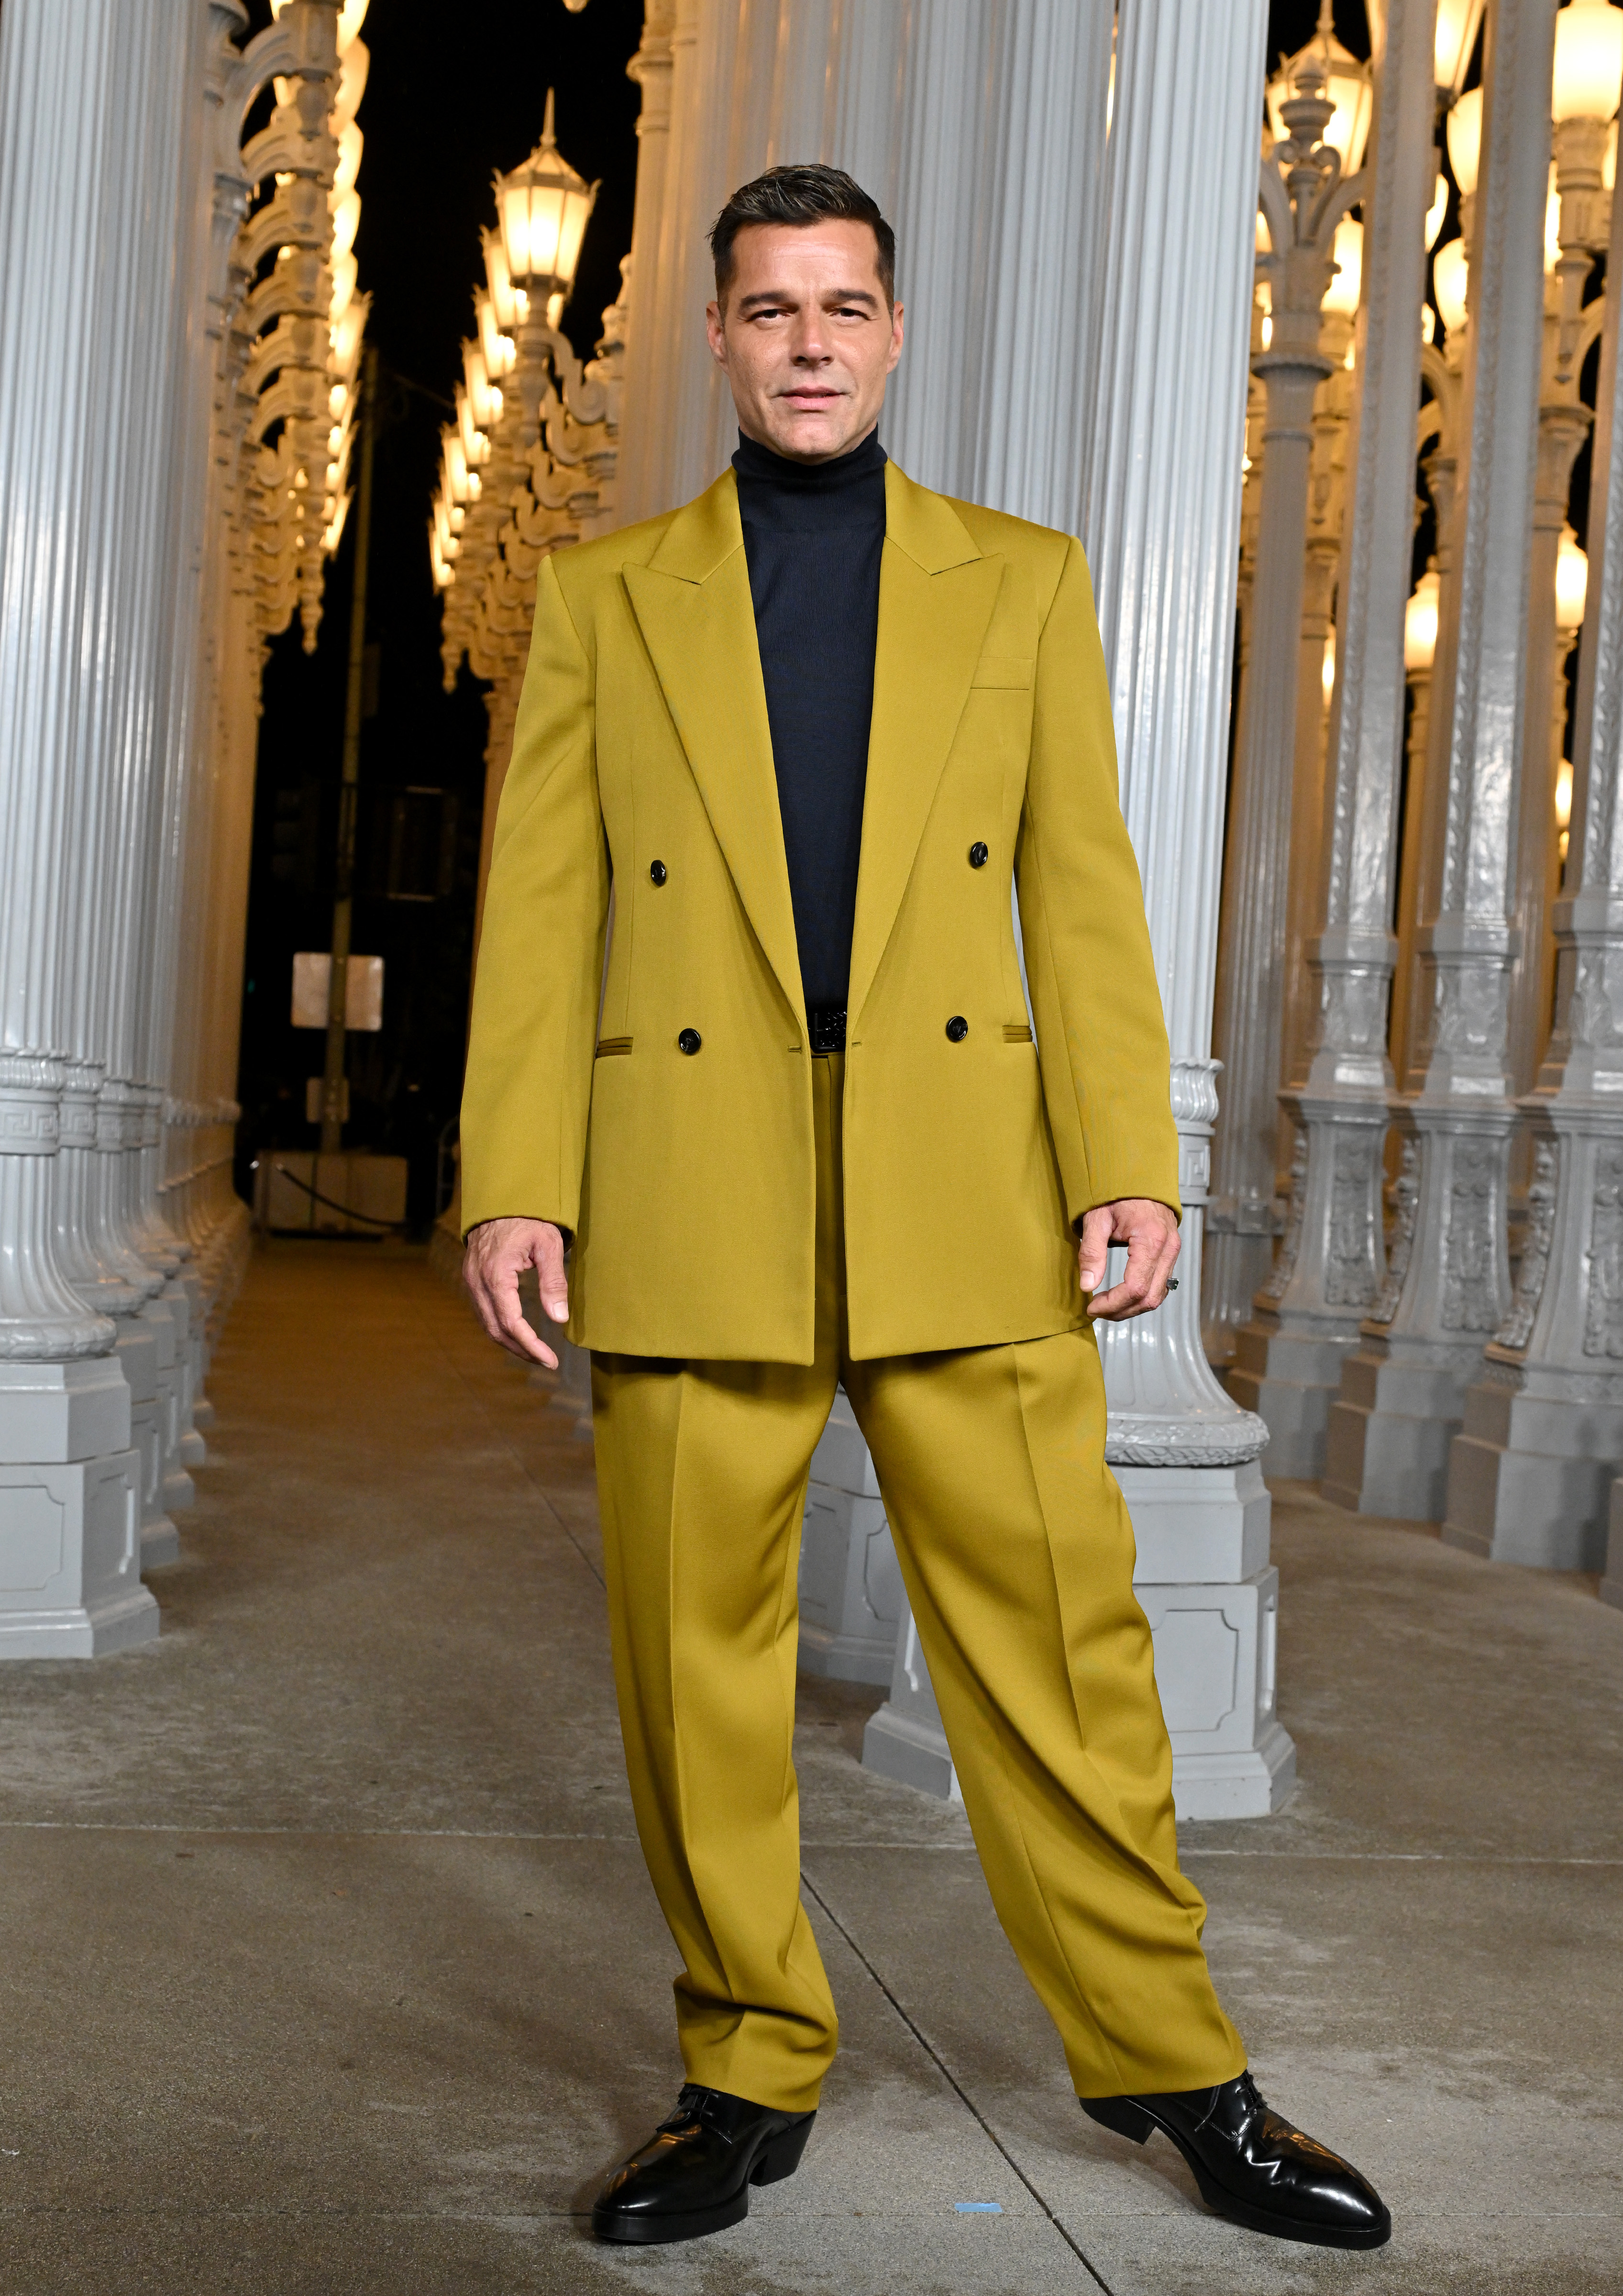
[(1290, 1354), (1530, 1475), (1163, 527), (1403, 1392), (84, 173)]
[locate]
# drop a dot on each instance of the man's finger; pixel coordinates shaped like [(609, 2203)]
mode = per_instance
[(1095, 1245), (510, 1327), (1138, 1287), (550, 1280)]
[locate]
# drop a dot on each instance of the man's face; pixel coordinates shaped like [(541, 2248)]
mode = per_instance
[(806, 340)]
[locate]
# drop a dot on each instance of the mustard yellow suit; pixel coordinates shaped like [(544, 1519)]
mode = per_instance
[(753, 1223)]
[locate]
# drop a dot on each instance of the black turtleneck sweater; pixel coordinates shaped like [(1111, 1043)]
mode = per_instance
[(814, 534)]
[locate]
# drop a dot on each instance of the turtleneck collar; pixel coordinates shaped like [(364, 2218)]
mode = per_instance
[(759, 465)]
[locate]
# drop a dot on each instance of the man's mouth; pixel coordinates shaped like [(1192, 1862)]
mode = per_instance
[(811, 397)]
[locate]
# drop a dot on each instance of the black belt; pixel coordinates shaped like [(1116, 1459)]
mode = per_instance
[(825, 1024)]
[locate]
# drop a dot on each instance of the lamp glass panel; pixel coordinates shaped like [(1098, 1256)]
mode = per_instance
[(1572, 582), (1342, 293), (1465, 140), (1436, 212), (1552, 225), (1457, 24), (1420, 623), (1588, 60), (1448, 281)]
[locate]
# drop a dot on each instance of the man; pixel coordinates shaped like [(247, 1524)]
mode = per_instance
[(808, 729)]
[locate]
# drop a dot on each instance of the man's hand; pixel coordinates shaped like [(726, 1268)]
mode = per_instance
[(498, 1252), (1150, 1232)]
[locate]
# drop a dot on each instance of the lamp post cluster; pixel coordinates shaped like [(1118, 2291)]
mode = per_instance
[(170, 485), (528, 466), (292, 332), (1425, 973)]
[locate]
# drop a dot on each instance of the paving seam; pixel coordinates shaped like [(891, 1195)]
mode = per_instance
[(950, 2077)]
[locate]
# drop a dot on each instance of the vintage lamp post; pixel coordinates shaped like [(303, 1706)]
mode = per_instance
[(1308, 183), (543, 208)]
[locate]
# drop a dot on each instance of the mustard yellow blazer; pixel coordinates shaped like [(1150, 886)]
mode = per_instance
[(642, 768)]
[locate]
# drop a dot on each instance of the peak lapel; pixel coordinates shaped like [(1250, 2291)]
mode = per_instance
[(936, 596), (692, 605)]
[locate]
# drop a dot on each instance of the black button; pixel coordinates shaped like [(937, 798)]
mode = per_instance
[(957, 1029), (978, 855), (658, 872), (689, 1041)]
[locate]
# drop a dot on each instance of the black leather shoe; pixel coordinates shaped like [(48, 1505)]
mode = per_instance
[(1254, 2166), (693, 2176)]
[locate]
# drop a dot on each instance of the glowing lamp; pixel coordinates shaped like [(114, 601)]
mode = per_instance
[(352, 78), (1329, 671), (1588, 60), (484, 399), (1435, 213), (1341, 295), (1465, 141), (1457, 23), (1420, 623), (1348, 87), (501, 353), (1552, 226), (1564, 801), (352, 16), (350, 142), (1572, 582), (1448, 284), (543, 207)]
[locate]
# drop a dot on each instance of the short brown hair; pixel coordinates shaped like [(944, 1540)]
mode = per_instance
[(800, 195)]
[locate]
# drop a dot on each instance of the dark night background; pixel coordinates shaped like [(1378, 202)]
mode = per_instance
[(435, 133)]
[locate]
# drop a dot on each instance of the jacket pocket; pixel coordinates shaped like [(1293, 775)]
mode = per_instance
[(608, 1046), (1017, 1033)]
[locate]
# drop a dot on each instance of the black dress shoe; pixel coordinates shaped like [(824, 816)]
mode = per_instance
[(1254, 2166), (693, 2176)]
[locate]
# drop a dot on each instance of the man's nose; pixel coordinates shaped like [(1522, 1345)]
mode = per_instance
[(807, 347)]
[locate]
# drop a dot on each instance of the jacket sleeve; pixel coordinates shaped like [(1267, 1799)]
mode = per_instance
[(1101, 1035), (539, 967)]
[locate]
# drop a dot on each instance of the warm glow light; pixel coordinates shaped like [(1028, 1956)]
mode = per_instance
[(1420, 623), (1456, 37), (543, 207), (1552, 226), (1263, 241), (1588, 60), (1342, 293), (1329, 672), (349, 144), (352, 16), (352, 78), (346, 222), (344, 276), (1465, 140), (483, 397), (1572, 582), (1448, 284), (1563, 797), (346, 340), (475, 446), (1350, 90), (1609, 163), (338, 398), (1267, 331), (1435, 213), (500, 351)]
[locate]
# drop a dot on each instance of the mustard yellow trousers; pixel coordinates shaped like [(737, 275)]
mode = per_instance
[(1017, 1553)]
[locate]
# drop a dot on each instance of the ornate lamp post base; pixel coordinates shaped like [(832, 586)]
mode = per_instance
[(1530, 1475)]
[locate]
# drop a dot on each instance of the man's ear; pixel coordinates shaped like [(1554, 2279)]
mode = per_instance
[(715, 327)]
